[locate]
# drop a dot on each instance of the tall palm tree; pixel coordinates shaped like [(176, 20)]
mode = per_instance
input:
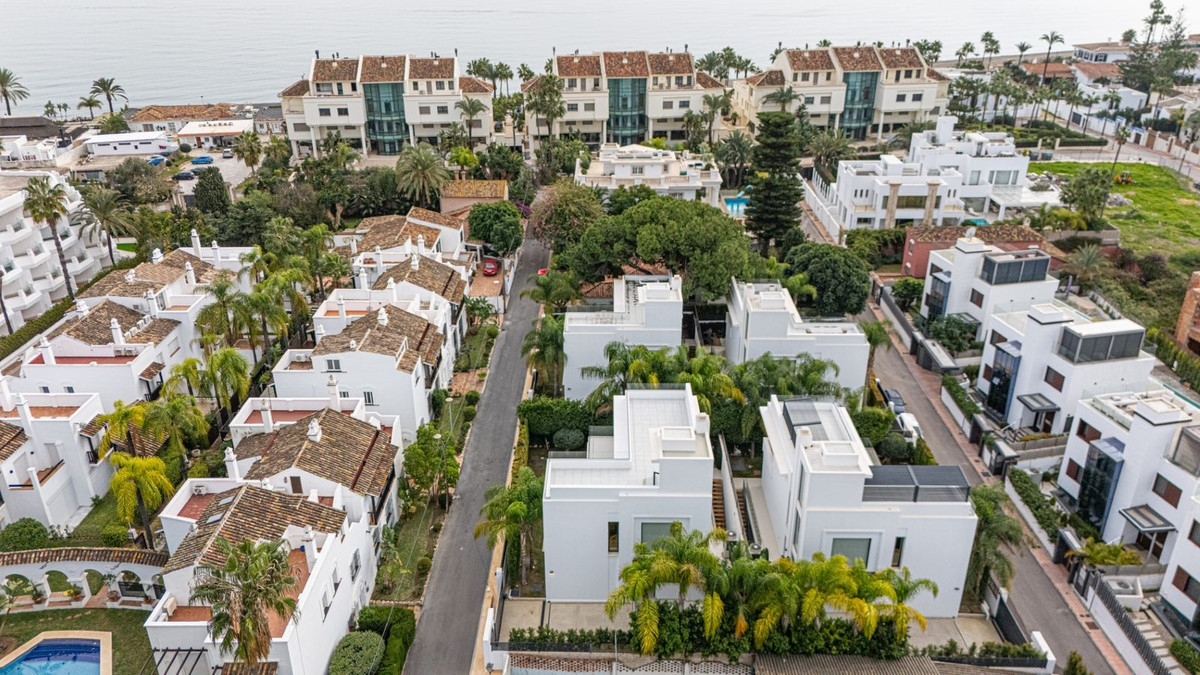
[(226, 377), (877, 336), (140, 485), (706, 373), (253, 584), (248, 148), (906, 588), (277, 149), (109, 89), (1087, 264), (503, 73), (219, 317), (470, 108), (967, 49), (47, 204), (994, 532), (175, 418), (11, 89), (106, 212), (63, 109), (89, 102), (625, 365), (315, 242), (188, 372), (733, 154), (828, 148), (784, 97), (544, 99), (556, 289), (121, 422), (50, 110), (112, 123), (717, 105), (543, 348), (1022, 47), (421, 173), (1052, 38), (514, 512)]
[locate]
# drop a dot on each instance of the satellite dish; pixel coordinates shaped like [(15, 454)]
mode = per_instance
[(970, 232)]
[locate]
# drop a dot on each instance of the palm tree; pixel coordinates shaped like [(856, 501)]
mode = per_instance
[(828, 148), (277, 149), (47, 204), (109, 89), (514, 512), (877, 336), (112, 123), (543, 348), (556, 289), (470, 108), (716, 104), (63, 108), (503, 73), (1121, 136), (1022, 47), (706, 373), (175, 418), (1087, 264), (89, 102), (544, 99), (189, 372), (50, 110), (906, 588), (784, 97), (121, 422), (248, 148), (714, 65), (625, 365), (226, 377), (1099, 553), (11, 89), (995, 531), (991, 46), (967, 49), (140, 485), (421, 173), (219, 318), (1052, 38), (253, 584), (733, 154), (106, 212)]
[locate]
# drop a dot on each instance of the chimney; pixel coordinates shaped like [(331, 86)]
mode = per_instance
[(189, 273), (130, 276), (156, 256), (415, 260), (313, 496), (310, 546), (339, 500), (231, 465), (341, 305), (314, 431), (335, 400), (362, 279), (353, 245), (47, 351), (118, 335), (151, 304), (383, 316), (6, 395), (268, 423), (23, 414), (394, 291), (319, 332), (216, 250), (81, 308), (196, 245), (420, 243), (378, 260)]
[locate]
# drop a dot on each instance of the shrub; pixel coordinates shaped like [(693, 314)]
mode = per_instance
[(545, 415), (469, 413), (955, 333), (521, 450), (569, 439), (185, 148), (424, 564), (359, 653), (906, 290), (199, 470), (404, 626), (438, 401), (24, 535), (114, 535), (922, 455), (481, 374), (959, 396), (873, 424), (1039, 504), (972, 372), (472, 397), (894, 448), (375, 619), (1186, 655), (491, 330)]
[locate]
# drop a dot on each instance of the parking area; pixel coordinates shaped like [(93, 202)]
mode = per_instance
[(232, 170)]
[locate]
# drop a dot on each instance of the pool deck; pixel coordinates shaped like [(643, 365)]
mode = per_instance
[(104, 637)]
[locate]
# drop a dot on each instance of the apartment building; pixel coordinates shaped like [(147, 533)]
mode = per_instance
[(1039, 363), (974, 280), (669, 174), (344, 306), (646, 310), (33, 277), (861, 91), (1103, 52), (761, 318), (379, 103), (654, 468), (993, 171), (823, 493)]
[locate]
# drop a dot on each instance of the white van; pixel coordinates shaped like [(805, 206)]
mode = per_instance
[(908, 426)]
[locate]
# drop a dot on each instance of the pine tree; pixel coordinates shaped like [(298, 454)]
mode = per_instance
[(776, 190)]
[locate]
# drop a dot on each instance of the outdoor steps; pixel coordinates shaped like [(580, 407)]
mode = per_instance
[(742, 512), (718, 503)]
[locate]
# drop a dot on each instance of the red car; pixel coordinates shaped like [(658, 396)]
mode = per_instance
[(490, 267)]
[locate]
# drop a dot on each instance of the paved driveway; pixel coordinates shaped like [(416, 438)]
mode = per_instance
[(446, 633), (232, 170)]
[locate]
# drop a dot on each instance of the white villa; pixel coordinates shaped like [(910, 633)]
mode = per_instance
[(664, 171)]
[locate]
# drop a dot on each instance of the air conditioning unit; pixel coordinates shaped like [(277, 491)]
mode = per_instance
[(199, 489)]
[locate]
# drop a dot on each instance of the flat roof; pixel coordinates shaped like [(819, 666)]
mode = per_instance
[(131, 136)]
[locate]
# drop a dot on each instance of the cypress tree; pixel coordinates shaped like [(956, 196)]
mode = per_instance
[(776, 190)]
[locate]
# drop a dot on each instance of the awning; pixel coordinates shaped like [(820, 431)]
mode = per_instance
[(1146, 519), (152, 371), (1037, 403)]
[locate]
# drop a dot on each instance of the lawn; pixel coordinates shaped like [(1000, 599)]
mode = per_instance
[(131, 645), (129, 246), (416, 538), (89, 531), (1165, 215)]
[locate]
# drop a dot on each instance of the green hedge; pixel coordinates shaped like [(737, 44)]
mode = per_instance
[(959, 396), (397, 625), (545, 415), (1041, 505), (1186, 655), (359, 653), (1184, 363)]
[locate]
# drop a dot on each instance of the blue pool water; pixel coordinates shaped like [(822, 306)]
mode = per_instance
[(58, 656), (736, 205)]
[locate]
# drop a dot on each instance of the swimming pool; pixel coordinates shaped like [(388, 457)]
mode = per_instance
[(736, 205), (60, 656)]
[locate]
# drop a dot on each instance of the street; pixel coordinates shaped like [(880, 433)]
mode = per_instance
[(450, 616)]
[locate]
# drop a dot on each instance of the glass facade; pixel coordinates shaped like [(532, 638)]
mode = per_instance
[(1100, 475), (1032, 268), (387, 129), (627, 110), (1078, 349), (1004, 369), (859, 110)]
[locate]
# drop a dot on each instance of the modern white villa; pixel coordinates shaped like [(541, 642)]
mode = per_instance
[(664, 171)]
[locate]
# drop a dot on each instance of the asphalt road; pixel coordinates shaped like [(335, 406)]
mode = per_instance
[(1035, 598), (446, 633)]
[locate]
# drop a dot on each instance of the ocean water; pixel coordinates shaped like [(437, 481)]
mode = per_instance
[(175, 51)]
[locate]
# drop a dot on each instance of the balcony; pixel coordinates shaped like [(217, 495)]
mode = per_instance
[(50, 282), (22, 299)]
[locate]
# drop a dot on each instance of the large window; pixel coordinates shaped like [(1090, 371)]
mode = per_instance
[(1054, 378), (976, 298), (1168, 491), (1186, 583), (627, 110), (652, 532), (1079, 349), (853, 549)]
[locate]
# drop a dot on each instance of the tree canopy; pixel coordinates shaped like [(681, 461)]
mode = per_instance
[(840, 277)]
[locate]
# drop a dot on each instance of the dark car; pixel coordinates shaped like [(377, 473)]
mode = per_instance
[(184, 175), (490, 267), (894, 401)]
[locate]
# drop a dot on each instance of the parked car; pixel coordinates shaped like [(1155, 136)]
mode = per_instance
[(908, 426), (892, 399), (227, 153), (156, 160), (490, 267), (184, 175), (203, 159)]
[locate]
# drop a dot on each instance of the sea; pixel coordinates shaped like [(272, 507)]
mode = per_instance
[(208, 51)]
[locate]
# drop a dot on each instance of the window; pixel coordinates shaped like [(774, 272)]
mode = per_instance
[(796, 533), (337, 580), (828, 77), (325, 603), (652, 532), (825, 100), (333, 365), (987, 373), (901, 98), (614, 537), (353, 86), (343, 112), (571, 83), (355, 566), (997, 339), (416, 86), (804, 77), (572, 107), (800, 486), (918, 97), (589, 107), (440, 85), (443, 110), (685, 104), (809, 100), (853, 549), (1166, 490), (324, 88), (1194, 533), (69, 389), (1186, 583), (908, 74), (344, 394), (1087, 432), (898, 552), (976, 298), (369, 397), (1054, 378), (668, 105), (638, 170), (1073, 470), (678, 80), (45, 390), (323, 112)]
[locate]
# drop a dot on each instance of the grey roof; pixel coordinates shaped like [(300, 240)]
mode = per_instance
[(1146, 519), (1037, 403), (926, 476)]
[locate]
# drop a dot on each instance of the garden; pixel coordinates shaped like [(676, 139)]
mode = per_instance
[(130, 643)]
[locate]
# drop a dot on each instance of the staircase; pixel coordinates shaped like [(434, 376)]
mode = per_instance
[(718, 503)]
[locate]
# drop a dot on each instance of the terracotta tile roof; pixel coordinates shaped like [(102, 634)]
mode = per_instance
[(435, 218), (936, 75), (351, 452), (95, 327), (901, 57), (335, 70), (825, 664), (857, 58), (478, 189), (159, 113), (419, 338), (253, 514), (94, 426), (767, 78), (1104, 46), (578, 65), (707, 81), (152, 371), (474, 85), (802, 60), (1094, 71), (431, 275), (388, 232), (990, 234), (129, 556), (431, 69), (526, 86), (382, 69), (144, 445), (625, 64), (671, 63), (1054, 70), (12, 437), (179, 259), (297, 88), (246, 669)]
